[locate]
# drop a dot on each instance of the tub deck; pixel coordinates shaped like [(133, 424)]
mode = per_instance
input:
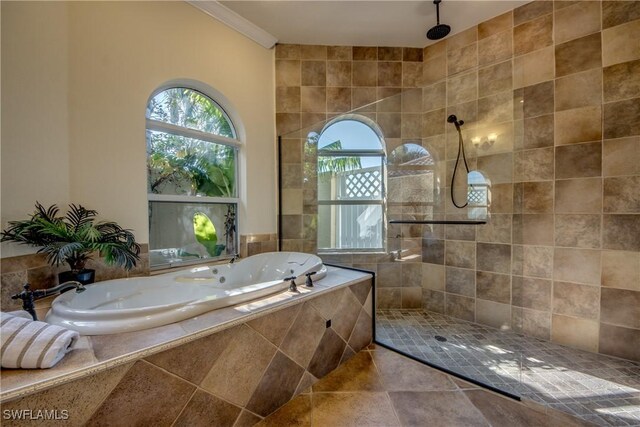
[(95, 354)]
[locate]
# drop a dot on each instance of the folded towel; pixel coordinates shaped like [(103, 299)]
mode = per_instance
[(29, 344)]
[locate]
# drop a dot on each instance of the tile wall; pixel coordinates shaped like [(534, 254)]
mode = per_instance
[(559, 84), (231, 378)]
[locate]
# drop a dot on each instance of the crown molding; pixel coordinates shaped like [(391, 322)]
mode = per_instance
[(232, 19)]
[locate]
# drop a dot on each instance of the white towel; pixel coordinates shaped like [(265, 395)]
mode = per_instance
[(28, 344)]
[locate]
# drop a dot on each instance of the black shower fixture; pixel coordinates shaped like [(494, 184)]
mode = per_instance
[(440, 31)]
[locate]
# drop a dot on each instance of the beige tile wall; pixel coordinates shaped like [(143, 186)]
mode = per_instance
[(559, 83), (234, 377)]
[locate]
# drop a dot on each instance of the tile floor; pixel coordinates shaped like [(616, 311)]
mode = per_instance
[(378, 387), (601, 389)]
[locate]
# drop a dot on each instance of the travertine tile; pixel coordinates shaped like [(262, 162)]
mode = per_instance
[(537, 261), (388, 298), (493, 287), (433, 301), (339, 73), (578, 195), (537, 197), (621, 269), (496, 108), (618, 12), (339, 53), (493, 314), (576, 21), (287, 99), (621, 232), (346, 315), (433, 251), (495, 25), (436, 50), (353, 409), (462, 88), (365, 53), (579, 90), (327, 355), (533, 165), (619, 341), (493, 257), (576, 300), (531, 293), (145, 394), (287, 51), (296, 412), (192, 361), (237, 372), (497, 167), (435, 408), (534, 67), (365, 73), (533, 229), (620, 307), (313, 52), (578, 230), (579, 160), (206, 409), (434, 96), (274, 326), (389, 53), (578, 55), (287, 73), (533, 35), (460, 307), (412, 54), (462, 39), (621, 194), (616, 47), (390, 74), (301, 341), (578, 125), (622, 118), (313, 73), (277, 385), (535, 323), (494, 79), (462, 59), (496, 47), (363, 330), (434, 70), (460, 254), (399, 373), (80, 398), (496, 230), (621, 81), (433, 276), (460, 281), (338, 99), (575, 332), (531, 11), (389, 274), (577, 265), (538, 99)]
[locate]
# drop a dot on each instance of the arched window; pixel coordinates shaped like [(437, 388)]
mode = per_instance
[(192, 164), (478, 195), (351, 183)]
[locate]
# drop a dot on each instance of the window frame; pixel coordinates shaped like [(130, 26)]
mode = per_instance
[(235, 143), (380, 153)]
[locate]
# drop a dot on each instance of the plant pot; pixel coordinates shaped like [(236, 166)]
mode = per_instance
[(85, 276)]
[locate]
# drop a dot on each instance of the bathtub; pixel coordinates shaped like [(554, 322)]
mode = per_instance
[(126, 305)]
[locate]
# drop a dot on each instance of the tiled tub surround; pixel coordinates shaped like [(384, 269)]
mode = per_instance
[(231, 366), (559, 83), (600, 389)]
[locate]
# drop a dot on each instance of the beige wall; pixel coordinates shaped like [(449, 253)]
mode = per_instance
[(102, 61)]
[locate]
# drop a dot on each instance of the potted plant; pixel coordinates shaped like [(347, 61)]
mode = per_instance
[(74, 239)]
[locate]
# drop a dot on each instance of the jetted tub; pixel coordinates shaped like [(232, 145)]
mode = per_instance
[(126, 305)]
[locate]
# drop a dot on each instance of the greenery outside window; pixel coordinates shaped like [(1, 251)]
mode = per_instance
[(192, 166)]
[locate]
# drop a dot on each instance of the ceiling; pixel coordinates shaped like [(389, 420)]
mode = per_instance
[(364, 23)]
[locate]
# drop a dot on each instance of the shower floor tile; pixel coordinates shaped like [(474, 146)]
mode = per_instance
[(597, 388)]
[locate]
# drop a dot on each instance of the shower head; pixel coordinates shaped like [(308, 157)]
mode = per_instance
[(440, 30), (453, 119)]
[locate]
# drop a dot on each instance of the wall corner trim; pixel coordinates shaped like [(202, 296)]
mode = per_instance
[(232, 19)]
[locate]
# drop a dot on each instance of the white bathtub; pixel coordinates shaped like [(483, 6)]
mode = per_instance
[(126, 305)]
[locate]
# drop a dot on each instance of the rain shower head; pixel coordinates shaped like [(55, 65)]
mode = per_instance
[(440, 31)]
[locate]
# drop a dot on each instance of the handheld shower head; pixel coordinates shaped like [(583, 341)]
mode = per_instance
[(453, 119), (440, 31)]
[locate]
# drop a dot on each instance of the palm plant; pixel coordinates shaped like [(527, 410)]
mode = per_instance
[(74, 238)]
